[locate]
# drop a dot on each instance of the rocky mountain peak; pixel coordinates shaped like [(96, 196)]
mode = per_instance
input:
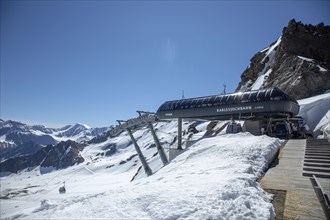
[(298, 62), (307, 41)]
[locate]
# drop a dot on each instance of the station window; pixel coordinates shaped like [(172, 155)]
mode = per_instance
[(186, 103), (260, 96), (216, 101), (223, 100), (211, 101), (230, 99), (170, 106), (245, 98), (237, 98), (266, 95), (253, 96), (276, 95), (206, 101), (199, 103), (193, 103)]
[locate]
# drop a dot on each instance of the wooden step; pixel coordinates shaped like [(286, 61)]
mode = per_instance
[(317, 161), (317, 174), (317, 148), (318, 154), (325, 147), (317, 141), (325, 170), (318, 157), (317, 165)]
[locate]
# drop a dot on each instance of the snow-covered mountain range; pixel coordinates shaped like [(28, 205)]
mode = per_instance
[(17, 133), (17, 138)]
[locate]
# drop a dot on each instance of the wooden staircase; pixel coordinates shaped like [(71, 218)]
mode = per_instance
[(317, 158)]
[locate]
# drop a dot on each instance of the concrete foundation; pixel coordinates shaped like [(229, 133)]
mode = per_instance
[(254, 127), (172, 153)]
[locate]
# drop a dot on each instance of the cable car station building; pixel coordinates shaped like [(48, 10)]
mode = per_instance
[(260, 109), (266, 111)]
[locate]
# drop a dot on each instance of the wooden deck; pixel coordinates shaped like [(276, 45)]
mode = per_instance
[(296, 198)]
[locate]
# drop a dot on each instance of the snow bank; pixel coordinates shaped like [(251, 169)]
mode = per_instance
[(213, 179), (260, 80), (314, 109), (322, 129)]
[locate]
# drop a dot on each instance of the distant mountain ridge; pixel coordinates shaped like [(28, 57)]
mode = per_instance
[(62, 155), (298, 62), (9, 128), (17, 139)]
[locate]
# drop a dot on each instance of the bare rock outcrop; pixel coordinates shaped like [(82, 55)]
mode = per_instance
[(298, 62)]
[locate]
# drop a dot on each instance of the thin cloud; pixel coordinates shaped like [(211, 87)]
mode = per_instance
[(170, 50)]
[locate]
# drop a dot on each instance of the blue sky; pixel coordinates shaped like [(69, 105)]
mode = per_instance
[(93, 62)]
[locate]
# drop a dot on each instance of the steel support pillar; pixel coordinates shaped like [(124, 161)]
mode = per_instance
[(145, 165), (180, 133), (158, 145)]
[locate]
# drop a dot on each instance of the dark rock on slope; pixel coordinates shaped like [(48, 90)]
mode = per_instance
[(26, 148), (60, 156)]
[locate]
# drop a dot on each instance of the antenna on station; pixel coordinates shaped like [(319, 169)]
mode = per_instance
[(224, 88), (182, 94)]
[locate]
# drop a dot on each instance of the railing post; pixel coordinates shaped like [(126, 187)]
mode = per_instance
[(180, 133), (145, 165)]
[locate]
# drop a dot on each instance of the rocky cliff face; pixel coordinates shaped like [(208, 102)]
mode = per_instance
[(298, 62)]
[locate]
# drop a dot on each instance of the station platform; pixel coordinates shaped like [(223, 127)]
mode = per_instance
[(294, 195)]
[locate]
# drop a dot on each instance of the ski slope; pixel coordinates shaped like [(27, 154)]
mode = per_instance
[(215, 178)]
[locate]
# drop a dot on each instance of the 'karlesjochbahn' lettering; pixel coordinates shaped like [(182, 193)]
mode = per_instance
[(232, 109)]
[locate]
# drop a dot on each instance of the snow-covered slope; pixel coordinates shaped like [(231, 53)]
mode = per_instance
[(78, 132), (315, 111), (266, 71), (322, 129), (215, 178)]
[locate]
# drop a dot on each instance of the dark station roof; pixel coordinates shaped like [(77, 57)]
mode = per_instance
[(262, 95)]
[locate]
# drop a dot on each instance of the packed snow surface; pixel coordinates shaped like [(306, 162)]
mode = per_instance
[(322, 129), (215, 178), (313, 109)]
